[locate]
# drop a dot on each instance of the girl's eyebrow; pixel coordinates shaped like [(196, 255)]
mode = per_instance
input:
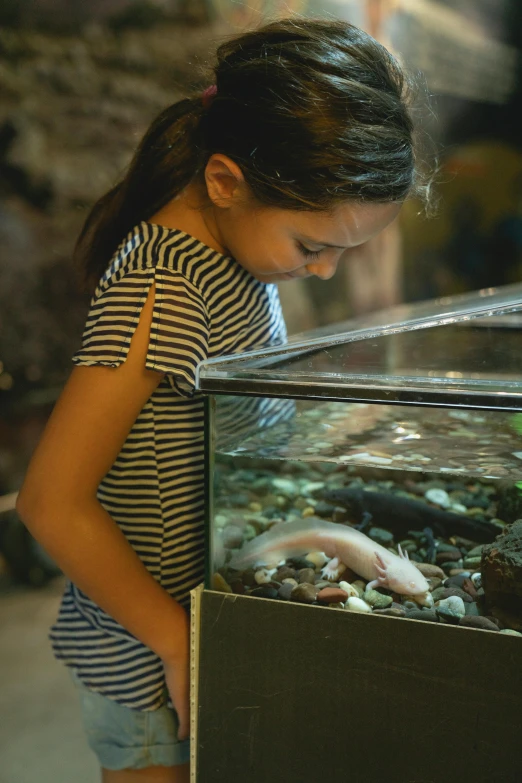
[(324, 244)]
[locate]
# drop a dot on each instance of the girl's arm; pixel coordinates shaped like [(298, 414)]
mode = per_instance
[(58, 501)]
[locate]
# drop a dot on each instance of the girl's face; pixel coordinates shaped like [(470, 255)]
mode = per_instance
[(281, 244)]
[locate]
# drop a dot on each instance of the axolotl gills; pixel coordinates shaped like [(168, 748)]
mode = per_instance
[(343, 544)]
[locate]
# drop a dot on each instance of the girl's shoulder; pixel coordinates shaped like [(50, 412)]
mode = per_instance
[(152, 248)]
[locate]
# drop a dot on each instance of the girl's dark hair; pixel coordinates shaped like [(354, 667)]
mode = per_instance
[(315, 112)]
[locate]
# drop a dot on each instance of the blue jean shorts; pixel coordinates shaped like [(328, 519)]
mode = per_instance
[(123, 738)]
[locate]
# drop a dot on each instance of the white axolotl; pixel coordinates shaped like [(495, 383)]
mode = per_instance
[(344, 545)]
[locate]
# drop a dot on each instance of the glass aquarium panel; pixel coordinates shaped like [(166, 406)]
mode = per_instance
[(467, 356), (363, 507)]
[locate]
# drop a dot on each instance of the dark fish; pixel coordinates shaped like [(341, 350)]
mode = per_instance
[(431, 545), (401, 514)]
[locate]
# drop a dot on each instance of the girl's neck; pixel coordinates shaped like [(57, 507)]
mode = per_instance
[(189, 212)]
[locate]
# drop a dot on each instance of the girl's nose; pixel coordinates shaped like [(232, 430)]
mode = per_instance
[(323, 269)]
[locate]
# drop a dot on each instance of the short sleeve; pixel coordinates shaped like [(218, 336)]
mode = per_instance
[(179, 334)]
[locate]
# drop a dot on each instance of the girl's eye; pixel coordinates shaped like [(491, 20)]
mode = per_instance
[(306, 252)]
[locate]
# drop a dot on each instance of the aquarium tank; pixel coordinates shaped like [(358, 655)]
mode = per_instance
[(375, 466)]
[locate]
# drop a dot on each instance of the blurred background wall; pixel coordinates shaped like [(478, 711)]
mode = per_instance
[(80, 81)]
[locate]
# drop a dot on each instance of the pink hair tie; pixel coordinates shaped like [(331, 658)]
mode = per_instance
[(208, 94)]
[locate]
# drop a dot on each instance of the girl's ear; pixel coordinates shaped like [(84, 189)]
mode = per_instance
[(225, 181)]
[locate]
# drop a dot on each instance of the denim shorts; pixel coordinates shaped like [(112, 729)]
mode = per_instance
[(123, 738)]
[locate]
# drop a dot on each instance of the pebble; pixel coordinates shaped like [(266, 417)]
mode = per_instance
[(458, 508), (339, 514), (443, 547), (357, 605), (439, 497), (232, 537), (249, 532), (300, 562), (350, 590), (332, 595), (448, 557), (304, 593), (458, 571), (360, 586), (306, 575), (308, 512), (285, 572), (264, 591), (472, 610), (446, 592), (269, 501), (264, 576), (349, 576), (457, 580), (428, 615), (324, 509), (290, 581), (285, 591), (470, 621), (239, 500), (271, 512), (472, 562), (219, 583), (430, 570), (451, 609), (470, 589), (285, 486), (309, 487), (434, 582), (452, 565), (477, 580), (377, 600), (380, 536), (510, 632), (238, 587), (249, 577), (391, 611), (318, 558)]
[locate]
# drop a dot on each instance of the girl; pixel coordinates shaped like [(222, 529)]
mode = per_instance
[(302, 150)]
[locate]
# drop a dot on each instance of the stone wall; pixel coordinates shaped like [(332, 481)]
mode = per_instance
[(73, 107)]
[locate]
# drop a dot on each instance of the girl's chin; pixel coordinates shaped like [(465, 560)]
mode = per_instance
[(280, 277)]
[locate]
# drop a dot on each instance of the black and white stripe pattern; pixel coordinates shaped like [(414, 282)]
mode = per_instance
[(206, 305)]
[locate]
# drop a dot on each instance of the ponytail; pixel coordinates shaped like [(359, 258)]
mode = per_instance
[(165, 162)]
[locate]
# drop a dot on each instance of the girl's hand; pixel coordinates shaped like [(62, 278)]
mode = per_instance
[(177, 676)]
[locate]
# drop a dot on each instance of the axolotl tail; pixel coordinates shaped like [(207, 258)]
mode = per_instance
[(286, 539)]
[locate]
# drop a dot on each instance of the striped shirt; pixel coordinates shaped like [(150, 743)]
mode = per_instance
[(206, 305)]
